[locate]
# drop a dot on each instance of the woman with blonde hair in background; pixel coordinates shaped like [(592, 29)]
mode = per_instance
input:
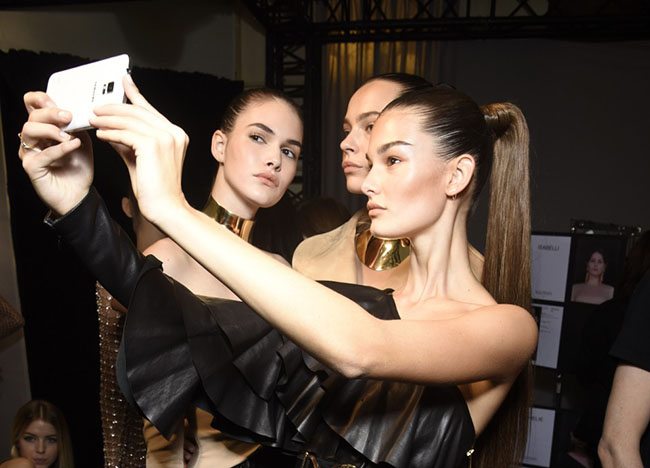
[(40, 438)]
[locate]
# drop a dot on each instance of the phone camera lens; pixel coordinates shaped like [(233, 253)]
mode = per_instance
[(110, 87)]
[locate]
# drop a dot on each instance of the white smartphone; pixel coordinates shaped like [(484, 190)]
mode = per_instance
[(80, 89)]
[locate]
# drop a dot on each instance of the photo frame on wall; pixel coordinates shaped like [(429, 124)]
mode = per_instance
[(595, 268)]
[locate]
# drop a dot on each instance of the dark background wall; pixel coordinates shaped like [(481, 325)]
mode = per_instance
[(587, 108)]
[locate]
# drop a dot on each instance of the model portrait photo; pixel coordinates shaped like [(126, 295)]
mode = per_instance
[(596, 265)]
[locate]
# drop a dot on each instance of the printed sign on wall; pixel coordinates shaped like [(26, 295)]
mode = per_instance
[(550, 265)]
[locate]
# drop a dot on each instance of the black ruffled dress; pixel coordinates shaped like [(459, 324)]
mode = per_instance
[(179, 350)]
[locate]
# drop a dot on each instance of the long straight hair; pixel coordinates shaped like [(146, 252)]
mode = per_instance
[(496, 136)]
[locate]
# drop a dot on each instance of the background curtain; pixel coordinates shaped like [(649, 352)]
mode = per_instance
[(345, 67), (57, 294)]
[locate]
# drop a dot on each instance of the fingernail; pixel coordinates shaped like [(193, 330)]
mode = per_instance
[(64, 135), (64, 114)]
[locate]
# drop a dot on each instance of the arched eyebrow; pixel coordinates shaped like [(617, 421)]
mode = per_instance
[(37, 436), (268, 130), (294, 143), (261, 126), (365, 115), (386, 146), (362, 117)]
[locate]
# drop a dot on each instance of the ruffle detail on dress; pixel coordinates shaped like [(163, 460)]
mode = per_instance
[(220, 355), (154, 365)]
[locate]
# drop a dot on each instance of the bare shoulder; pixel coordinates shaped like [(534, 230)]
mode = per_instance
[(173, 257), (17, 463), (577, 287), (321, 245), (163, 247), (315, 246)]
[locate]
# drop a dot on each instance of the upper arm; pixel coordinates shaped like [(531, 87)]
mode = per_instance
[(628, 409), (279, 258), (491, 343)]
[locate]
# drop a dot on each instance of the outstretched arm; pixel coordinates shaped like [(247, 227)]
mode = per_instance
[(490, 343)]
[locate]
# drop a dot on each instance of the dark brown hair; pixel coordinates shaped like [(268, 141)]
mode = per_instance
[(496, 136), (41, 410), (250, 96), (407, 81)]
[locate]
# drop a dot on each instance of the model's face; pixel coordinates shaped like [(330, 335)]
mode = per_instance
[(596, 264), (39, 444), (407, 180), (363, 109), (259, 156)]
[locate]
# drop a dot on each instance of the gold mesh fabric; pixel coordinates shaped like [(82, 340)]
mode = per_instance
[(124, 445)]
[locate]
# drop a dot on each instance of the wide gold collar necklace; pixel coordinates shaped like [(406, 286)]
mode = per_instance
[(240, 226), (375, 252)]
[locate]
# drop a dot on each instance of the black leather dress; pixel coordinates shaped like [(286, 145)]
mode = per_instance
[(180, 350)]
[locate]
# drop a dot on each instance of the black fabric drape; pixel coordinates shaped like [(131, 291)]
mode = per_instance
[(56, 292)]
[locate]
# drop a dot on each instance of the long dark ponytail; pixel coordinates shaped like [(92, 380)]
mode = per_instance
[(497, 138)]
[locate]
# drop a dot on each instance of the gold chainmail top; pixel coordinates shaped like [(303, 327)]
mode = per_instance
[(375, 252), (124, 445)]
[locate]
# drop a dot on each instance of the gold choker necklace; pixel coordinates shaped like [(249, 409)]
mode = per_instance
[(375, 252), (240, 226)]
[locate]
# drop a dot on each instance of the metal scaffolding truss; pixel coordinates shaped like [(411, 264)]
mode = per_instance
[(297, 30), (371, 20)]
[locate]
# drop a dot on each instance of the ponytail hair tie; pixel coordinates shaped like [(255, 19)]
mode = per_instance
[(497, 117)]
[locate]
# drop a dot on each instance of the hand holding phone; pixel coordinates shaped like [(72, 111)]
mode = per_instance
[(81, 89)]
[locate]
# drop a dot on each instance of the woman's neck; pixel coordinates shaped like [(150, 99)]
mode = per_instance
[(231, 200), (239, 225), (440, 265), (593, 280)]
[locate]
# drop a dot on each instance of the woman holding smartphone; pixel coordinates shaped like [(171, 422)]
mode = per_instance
[(383, 388), (257, 147)]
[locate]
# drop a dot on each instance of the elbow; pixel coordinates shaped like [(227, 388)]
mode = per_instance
[(360, 355), (605, 452), (614, 453), (352, 362), (349, 371)]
